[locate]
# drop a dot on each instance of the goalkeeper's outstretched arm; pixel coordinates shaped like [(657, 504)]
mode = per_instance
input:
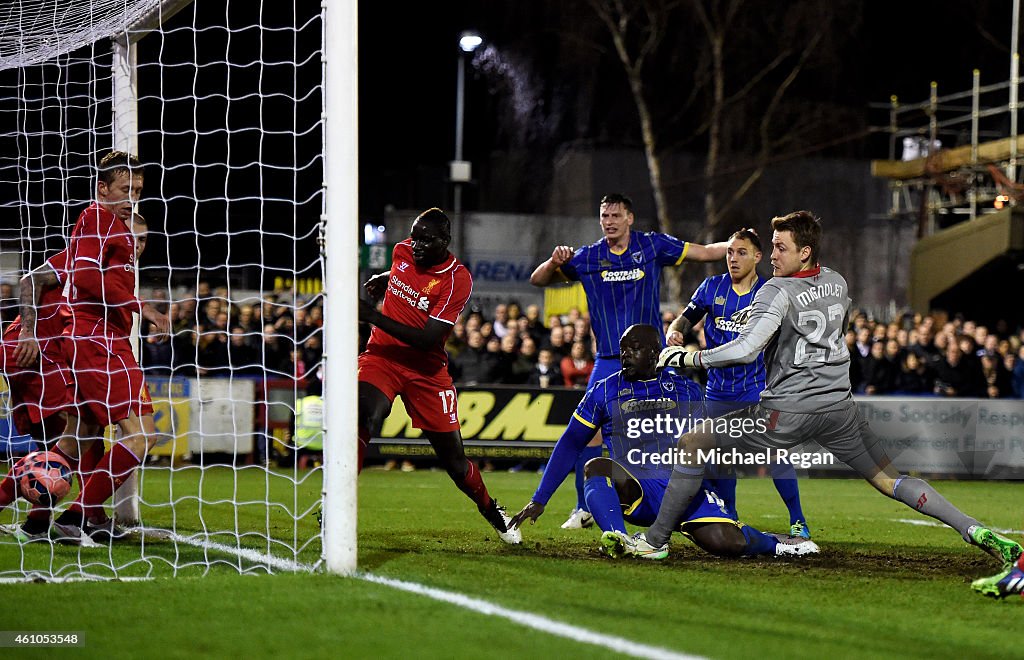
[(769, 308), (767, 311)]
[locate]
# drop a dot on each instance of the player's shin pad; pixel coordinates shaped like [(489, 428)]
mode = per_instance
[(684, 484)]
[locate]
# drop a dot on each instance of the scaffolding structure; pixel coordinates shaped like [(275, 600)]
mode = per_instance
[(955, 157)]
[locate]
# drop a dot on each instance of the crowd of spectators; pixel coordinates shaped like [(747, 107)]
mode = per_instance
[(281, 336), (515, 347), (936, 355), (277, 336), (914, 355)]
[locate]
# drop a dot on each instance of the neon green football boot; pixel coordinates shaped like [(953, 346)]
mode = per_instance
[(998, 546)]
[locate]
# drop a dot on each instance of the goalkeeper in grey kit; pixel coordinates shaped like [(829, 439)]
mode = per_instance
[(798, 318)]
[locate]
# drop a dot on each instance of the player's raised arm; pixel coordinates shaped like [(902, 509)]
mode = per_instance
[(548, 273), (709, 252)]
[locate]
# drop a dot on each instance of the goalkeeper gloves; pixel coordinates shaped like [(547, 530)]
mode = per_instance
[(678, 356)]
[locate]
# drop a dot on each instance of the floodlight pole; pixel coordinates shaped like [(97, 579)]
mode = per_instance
[(460, 171), (460, 110)]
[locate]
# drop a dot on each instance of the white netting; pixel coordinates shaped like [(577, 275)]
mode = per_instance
[(230, 133), (33, 31)]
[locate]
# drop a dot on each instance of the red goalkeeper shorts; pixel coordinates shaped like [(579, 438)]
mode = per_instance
[(37, 391), (430, 399), (108, 381)]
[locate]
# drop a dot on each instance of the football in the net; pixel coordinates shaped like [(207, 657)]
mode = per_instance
[(43, 477)]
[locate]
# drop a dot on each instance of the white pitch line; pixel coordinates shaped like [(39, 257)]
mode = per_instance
[(932, 523), (528, 619), (535, 621), (248, 554)]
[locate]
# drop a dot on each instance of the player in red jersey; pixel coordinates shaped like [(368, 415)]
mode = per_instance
[(33, 363), (42, 392), (424, 294), (109, 387), (32, 359)]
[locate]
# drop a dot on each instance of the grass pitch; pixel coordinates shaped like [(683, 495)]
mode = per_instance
[(880, 587)]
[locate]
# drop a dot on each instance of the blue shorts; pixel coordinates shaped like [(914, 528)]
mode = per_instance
[(604, 367), (706, 506)]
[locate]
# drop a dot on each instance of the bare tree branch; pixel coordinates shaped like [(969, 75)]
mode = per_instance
[(758, 77), (766, 120)]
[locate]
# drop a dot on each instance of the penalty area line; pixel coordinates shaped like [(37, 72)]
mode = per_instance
[(531, 620)]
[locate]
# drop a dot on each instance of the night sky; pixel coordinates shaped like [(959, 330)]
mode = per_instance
[(570, 90), (408, 72)]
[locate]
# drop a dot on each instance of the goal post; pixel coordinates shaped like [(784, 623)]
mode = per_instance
[(341, 274), (125, 131)]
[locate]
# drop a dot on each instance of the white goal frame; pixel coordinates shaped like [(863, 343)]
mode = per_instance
[(341, 279), (339, 226)]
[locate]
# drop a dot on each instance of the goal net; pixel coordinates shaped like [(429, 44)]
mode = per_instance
[(223, 104)]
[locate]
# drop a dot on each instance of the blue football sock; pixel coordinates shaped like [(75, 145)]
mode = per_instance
[(587, 454), (758, 543), (785, 482), (603, 500), (726, 489)]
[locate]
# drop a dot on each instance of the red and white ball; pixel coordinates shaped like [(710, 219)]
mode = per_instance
[(43, 477)]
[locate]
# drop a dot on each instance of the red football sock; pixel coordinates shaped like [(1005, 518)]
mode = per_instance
[(73, 463), (112, 471), (39, 512), (90, 459), (472, 484)]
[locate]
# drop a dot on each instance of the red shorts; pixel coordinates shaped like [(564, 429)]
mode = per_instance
[(37, 391), (108, 381), (430, 399)]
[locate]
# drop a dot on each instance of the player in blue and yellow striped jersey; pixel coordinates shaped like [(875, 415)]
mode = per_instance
[(641, 412), (621, 276), (723, 302)]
